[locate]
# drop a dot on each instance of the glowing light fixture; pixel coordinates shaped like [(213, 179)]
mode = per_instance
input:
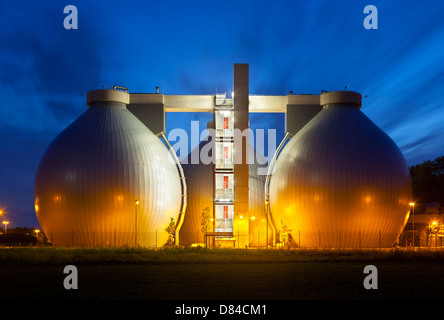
[(6, 225)]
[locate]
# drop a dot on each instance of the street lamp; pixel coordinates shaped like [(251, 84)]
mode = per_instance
[(412, 204), (136, 205), (6, 224), (434, 230), (37, 233), (267, 204)]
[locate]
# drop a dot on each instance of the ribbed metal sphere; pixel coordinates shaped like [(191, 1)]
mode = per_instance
[(200, 194), (92, 174), (341, 182), (199, 178)]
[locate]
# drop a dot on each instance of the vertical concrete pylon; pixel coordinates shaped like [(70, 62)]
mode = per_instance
[(241, 125)]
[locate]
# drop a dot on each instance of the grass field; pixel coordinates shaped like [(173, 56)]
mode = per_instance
[(219, 274)]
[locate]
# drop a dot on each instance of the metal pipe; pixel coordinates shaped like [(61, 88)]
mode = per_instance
[(120, 87), (267, 186), (183, 205)]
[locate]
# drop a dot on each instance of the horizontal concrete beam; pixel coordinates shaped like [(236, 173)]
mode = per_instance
[(206, 103), (201, 103), (189, 103)]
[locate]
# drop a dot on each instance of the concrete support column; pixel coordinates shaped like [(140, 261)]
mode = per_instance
[(241, 124)]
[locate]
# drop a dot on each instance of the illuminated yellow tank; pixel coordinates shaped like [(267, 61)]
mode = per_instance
[(107, 180), (341, 182), (200, 195)]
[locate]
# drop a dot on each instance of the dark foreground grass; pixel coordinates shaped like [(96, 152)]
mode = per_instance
[(178, 255), (219, 274)]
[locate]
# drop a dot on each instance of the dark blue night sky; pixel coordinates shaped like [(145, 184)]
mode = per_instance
[(189, 47)]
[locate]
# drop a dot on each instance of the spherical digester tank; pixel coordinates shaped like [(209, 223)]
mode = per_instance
[(200, 195), (199, 178), (107, 180), (341, 182)]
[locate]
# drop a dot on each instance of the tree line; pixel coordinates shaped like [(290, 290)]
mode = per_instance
[(428, 181)]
